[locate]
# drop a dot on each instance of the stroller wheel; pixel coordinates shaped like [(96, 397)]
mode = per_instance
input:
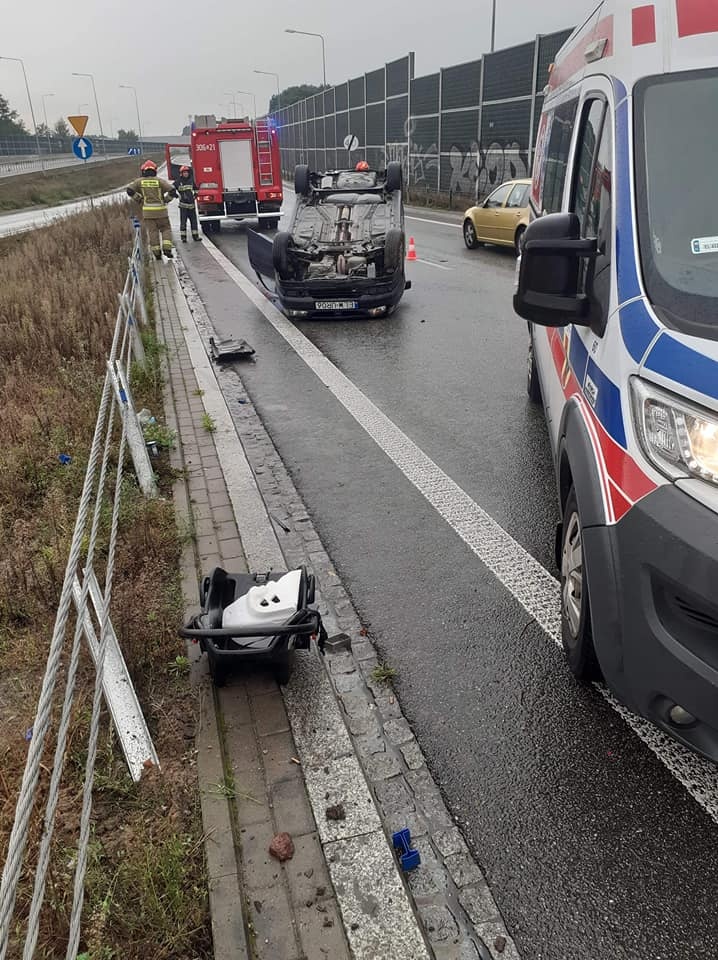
[(217, 671), (283, 667)]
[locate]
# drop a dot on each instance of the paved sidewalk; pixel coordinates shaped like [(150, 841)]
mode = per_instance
[(251, 787)]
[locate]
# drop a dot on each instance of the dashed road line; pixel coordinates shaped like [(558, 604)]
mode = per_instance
[(521, 574)]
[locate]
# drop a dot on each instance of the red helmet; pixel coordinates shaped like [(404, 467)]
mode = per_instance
[(184, 169), (149, 166), (362, 165)]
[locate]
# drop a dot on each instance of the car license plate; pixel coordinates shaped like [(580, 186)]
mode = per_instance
[(335, 305)]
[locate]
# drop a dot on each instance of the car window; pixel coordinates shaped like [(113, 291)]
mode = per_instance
[(593, 190), (556, 165), (498, 197), (519, 196)]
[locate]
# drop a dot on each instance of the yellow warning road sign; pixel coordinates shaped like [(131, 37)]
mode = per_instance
[(78, 124)]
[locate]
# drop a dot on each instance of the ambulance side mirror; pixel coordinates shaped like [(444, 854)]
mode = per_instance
[(555, 272)]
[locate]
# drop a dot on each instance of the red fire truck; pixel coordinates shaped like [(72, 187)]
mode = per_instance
[(237, 171)]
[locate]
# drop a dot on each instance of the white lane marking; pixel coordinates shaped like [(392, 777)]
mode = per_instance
[(430, 263), (441, 223), (523, 576)]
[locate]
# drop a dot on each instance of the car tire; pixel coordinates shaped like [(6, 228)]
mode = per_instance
[(519, 239), (576, 631), (393, 250), (394, 176), (533, 384), (302, 180), (280, 255), (469, 231)]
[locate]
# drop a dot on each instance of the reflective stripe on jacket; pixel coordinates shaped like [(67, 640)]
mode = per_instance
[(152, 190), (186, 191)]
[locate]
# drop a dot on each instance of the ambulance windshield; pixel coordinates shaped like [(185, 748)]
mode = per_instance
[(677, 196)]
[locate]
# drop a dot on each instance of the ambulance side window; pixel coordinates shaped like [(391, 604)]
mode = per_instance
[(559, 145), (592, 191)]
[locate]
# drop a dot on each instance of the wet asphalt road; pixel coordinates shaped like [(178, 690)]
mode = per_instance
[(592, 849)]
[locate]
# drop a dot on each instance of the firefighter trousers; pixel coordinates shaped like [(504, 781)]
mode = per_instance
[(188, 214), (160, 235)]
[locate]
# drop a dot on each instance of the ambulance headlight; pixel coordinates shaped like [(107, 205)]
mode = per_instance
[(679, 438)]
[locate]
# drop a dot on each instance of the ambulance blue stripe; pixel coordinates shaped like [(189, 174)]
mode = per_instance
[(674, 360), (638, 327), (608, 404), (579, 356)]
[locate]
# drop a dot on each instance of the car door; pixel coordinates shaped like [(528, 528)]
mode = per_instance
[(488, 216), (511, 214)]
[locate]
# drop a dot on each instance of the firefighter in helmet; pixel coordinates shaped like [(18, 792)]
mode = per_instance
[(154, 194), (185, 187), (362, 165)]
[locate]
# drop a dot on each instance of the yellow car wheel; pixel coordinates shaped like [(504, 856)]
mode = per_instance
[(470, 238)]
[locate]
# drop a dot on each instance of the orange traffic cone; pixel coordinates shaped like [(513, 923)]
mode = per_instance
[(411, 255)]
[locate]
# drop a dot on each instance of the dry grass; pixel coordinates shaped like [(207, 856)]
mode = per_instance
[(146, 888), (67, 183)]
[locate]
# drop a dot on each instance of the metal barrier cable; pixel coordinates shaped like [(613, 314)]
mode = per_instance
[(33, 923), (26, 799)]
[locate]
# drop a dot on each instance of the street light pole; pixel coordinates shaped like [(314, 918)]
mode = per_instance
[(127, 86), (306, 33), (246, 93), (268, 73), (44, 113), (493, 26), (233, 98), (32, 111), (97, 107)]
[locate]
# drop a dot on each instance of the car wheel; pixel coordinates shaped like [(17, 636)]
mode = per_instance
[(533, 384), (519, 239), (394, 177), (280, 255), (470, 238), (576, 633), (302, 182), (393, 250)]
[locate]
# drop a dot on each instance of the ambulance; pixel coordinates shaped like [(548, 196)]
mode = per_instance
[(618, 280)]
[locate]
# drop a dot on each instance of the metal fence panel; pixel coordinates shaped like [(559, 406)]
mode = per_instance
[(375, 86), (461, 86), (425, 95)]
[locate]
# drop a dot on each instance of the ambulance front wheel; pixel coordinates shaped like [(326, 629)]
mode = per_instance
[(533, 384), (283, 667), (217, 671), (576, 632)]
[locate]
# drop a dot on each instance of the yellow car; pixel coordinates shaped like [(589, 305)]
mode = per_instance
[(502, 218)]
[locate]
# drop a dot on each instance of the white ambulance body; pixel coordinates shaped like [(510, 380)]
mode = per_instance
[(619, 282)]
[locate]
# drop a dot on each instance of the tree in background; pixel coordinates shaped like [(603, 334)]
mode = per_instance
[(128, 135), (10, 123), (45, 131), (62, 129), (294, 95)]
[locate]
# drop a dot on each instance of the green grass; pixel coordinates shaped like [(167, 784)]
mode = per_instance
[(67, 183), (208, 423), (382, 673)]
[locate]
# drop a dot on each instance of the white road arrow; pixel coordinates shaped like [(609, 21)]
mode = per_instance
[(83, 148)]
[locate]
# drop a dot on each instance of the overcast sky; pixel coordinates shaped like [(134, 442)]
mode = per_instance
[(183, 57)]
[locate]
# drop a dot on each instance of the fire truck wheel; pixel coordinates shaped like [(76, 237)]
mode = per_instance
[(280, 255), (394, 176), (301, 180)]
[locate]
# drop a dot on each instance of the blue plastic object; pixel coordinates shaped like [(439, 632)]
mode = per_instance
[(408, 858)]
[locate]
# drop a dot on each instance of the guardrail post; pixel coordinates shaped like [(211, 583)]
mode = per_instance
[(133, 431)]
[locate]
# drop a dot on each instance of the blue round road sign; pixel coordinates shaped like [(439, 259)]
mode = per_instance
[(82, 148)]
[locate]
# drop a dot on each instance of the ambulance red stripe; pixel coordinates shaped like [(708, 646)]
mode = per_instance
[(644, 25), (696, 17)]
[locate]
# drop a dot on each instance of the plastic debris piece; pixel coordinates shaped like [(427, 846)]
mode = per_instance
[(28, 734), (408, 858), (65, 459), (231, 349)]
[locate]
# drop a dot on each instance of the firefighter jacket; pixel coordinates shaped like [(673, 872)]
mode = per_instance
[(154, 193), (187, 192)]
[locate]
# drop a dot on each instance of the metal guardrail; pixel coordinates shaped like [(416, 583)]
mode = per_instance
[(82, 590)]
